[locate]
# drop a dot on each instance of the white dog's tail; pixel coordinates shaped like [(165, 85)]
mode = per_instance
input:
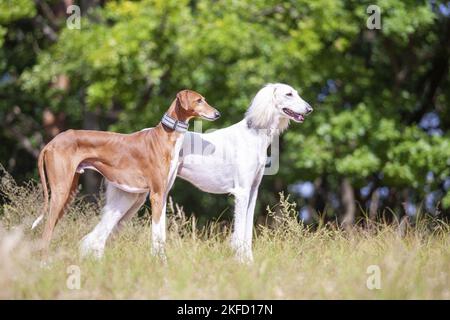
[(44, 187)]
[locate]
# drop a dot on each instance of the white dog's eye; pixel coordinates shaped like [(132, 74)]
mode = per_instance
[(289, 94)]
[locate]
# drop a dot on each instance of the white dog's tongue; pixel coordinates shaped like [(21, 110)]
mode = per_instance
[(299, 117)]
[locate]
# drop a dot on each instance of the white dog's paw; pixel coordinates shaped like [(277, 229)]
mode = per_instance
[(160, 254), (243, 251), (244, 257), (93, 252), (90, 248)]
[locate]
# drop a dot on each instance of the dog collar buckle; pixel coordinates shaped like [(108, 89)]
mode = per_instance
[(174, 124)]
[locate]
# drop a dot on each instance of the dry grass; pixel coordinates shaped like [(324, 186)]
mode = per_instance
[(291, 261)]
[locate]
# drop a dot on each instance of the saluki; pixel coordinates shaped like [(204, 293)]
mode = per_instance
[(133, 165), (232, 160)]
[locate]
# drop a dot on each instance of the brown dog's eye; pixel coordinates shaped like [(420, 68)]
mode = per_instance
[(199, 100)]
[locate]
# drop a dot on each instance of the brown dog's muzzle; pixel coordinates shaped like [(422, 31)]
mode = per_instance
[(209, 113)]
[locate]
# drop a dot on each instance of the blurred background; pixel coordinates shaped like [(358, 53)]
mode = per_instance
[(377, 144)]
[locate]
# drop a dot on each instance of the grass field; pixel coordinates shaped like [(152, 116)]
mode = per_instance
[(291, 261)]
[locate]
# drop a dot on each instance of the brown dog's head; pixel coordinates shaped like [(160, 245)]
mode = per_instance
[(194, 104)]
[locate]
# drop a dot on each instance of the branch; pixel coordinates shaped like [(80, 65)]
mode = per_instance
[(23, 140), (48, 13), (16, 133)]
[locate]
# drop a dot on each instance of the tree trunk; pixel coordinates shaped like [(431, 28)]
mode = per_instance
[(374, 202), (348, 202), (320, 199)]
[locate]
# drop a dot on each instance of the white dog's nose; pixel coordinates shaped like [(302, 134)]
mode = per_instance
[(309, 109)]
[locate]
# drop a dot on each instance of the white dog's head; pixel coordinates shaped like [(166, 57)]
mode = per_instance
[(277, 104), (289, 103)]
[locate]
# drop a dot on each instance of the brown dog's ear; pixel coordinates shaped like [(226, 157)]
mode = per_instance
[(183, 99)]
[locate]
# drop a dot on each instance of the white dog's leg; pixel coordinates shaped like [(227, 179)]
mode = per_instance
[(240, 215), (250, 215), (249, 225), (132, 211), (118, 202)]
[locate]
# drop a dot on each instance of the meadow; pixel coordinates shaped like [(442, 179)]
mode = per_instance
[(292, 261)]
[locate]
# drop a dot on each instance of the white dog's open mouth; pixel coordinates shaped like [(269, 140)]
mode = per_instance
[(297, 117)]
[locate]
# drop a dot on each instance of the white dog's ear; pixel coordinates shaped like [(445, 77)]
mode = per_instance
[(273, 95)]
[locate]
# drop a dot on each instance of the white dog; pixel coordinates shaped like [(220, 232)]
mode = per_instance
[(232, 160)]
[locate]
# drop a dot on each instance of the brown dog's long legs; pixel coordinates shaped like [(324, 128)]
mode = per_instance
[(72, 194), (58, 199), (158, 224), (60, 195)]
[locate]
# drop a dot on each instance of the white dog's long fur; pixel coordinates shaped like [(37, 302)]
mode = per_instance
[(232, 160)]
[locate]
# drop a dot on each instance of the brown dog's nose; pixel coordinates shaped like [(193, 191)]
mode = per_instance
[(216, 115)]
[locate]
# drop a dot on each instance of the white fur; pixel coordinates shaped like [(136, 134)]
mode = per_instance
[(129, 189), (37, 221), (118, 202), (232, 160), (159, 235)]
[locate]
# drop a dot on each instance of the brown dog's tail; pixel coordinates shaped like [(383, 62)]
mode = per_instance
[(44, 187)]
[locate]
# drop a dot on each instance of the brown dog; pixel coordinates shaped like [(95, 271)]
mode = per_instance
[(133, 165)]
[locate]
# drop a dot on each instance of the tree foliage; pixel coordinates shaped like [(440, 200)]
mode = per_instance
[(381, 97)]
